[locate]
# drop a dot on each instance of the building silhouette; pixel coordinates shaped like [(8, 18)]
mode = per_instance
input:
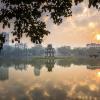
[(93, 45), (49, 51), (21, 49), (6, 35), (21, 45)]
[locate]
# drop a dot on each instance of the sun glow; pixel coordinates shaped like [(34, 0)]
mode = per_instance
[(98, 74), (98, 37)]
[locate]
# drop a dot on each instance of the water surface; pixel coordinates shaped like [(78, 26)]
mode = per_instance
[(50, 79)]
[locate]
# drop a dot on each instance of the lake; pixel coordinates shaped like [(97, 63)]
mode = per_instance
[(50, 79)]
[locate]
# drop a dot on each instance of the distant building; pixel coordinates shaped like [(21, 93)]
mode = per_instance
[(6, 35), (93, 45), (64, 51), (21, 50), (21, 45), (49, 51), (93, 50)]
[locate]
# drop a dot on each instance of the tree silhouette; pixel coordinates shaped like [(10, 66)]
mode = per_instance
[(2, 41), (26, 15)]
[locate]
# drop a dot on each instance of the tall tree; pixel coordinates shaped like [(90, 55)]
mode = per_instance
[(25, 15)]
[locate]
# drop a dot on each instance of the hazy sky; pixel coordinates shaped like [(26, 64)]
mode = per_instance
[(75, 31)]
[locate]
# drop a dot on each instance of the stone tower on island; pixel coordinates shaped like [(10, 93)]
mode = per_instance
[(49, 51)]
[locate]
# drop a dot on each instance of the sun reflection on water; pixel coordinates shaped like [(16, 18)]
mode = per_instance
[(98, 74)]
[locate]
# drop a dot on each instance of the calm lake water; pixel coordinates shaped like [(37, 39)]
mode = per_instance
[(50, 79)]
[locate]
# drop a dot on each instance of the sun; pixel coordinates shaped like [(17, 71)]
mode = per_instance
[(98, 37)]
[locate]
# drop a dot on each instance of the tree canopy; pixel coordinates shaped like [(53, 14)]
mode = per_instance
[(25, 16)]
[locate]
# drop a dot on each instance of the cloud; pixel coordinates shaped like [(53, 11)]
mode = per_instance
[(77, 30)]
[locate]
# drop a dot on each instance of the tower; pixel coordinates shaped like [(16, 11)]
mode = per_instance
[(49, 51)]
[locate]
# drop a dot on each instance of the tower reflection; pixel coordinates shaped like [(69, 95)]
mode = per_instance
[(49, 64)]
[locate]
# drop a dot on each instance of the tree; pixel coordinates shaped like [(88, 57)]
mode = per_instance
[(2, 41), (64, 51), (79, 52), (25, 15), (37, 50)]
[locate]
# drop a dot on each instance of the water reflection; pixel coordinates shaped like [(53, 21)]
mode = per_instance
[(50, 79), (4, 73), (93, 67), (49, 64)]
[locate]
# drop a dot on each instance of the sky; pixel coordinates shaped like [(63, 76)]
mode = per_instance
[(75, 31)]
